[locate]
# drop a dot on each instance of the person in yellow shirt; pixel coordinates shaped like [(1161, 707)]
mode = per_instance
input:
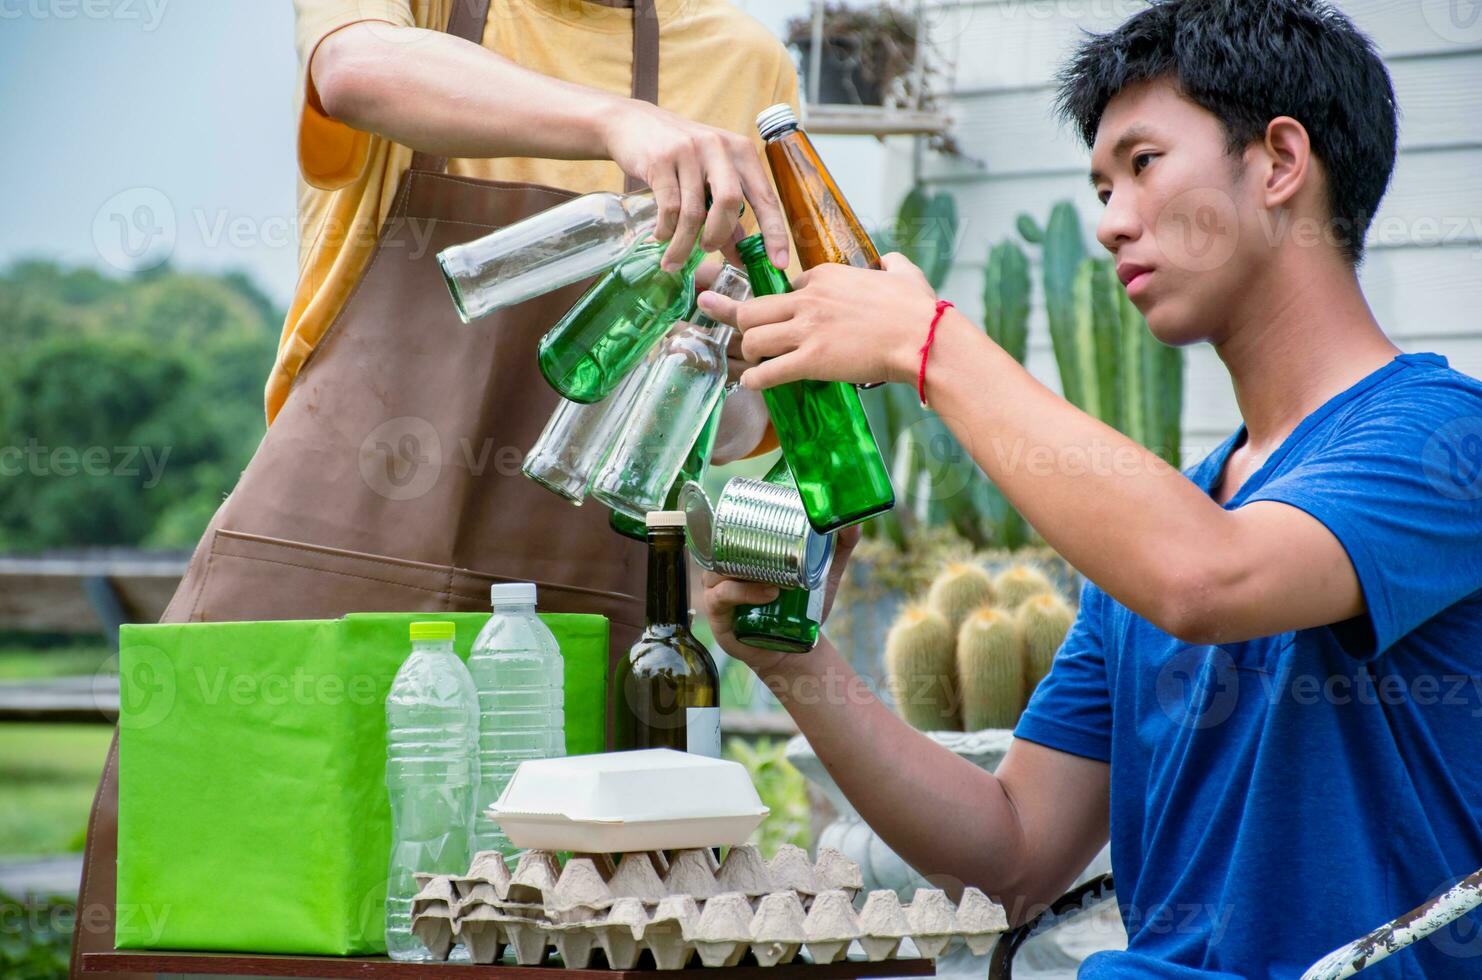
[(389, 478)]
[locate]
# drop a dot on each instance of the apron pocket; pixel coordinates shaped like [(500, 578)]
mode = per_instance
[(253, 577)]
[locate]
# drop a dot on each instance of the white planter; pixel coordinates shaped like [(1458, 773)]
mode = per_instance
[(1057, 954)]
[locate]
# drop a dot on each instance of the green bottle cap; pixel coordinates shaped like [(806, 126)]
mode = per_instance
[(432, 631)]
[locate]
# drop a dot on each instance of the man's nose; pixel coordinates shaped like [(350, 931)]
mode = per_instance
[(1119, 223)]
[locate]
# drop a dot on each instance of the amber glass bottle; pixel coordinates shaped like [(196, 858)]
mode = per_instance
[(824, 227)]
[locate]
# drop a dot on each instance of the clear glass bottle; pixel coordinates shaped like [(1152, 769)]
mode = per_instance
[(822, 429), (669, 412), (555, 248), (520, 678), (665, 692), (432, 729), (576, 438), (790, 622), (586, 355), (696, 463)]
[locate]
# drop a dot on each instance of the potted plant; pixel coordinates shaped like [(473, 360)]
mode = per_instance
[(866, 56)]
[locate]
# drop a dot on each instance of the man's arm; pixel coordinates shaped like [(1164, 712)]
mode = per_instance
[(1126, 519), (444, 95), (1022, 835)]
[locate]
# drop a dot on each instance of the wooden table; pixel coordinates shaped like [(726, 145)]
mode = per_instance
[(381, 968)]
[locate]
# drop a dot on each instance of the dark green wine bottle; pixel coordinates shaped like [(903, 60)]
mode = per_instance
[(790, 622), (587, 353), (666, 691), (695, 465), (823, 431)]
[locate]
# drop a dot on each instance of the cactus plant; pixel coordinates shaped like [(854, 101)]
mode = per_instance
[(920, 658), (1043, 621), (1111, 366), (1006, 299), (961, 588), (1019, 582), (990, 670), (926, 232)]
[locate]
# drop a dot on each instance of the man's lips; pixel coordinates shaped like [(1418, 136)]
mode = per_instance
[(1132, 275)]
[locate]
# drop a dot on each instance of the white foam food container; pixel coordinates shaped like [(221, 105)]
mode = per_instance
[(644, 800)]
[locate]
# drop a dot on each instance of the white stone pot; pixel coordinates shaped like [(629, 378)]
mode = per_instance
[(1055, 955)]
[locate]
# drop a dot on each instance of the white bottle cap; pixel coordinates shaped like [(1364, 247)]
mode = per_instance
[(665, 518), (512, 593), (774, 119)]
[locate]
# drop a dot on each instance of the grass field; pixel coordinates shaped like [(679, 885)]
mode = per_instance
[(48, 772)]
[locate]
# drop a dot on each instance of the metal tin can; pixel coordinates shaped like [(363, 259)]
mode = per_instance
[(756, 531)]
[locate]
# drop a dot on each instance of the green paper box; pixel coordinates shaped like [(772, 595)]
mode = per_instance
[(253, 814)]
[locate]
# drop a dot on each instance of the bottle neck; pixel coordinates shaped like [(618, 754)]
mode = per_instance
[(433, 646), (668, 583), (642, 210), (514, 608)]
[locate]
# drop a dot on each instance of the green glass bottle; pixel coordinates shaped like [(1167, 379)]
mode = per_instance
[(695, 465), (790, 622), (587, 354), (666, 692), (822, 429)]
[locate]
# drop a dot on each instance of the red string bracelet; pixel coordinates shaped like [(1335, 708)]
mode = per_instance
[(931, 335)]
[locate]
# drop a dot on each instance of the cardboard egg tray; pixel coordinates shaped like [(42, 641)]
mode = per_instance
[(684, 906)]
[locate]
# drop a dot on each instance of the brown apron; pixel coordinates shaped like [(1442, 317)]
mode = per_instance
[(391, 480)]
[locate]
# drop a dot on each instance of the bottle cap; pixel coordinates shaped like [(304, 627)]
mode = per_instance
[(664, 518), (433, 631), (512, 593), (774, 119)]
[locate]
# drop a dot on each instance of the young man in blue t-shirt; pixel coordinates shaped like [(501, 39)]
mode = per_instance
[(1272, 695)]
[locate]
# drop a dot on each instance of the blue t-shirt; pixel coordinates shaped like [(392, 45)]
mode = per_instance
[(1274, 799)]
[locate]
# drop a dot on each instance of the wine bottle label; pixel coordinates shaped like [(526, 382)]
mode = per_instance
[(702, 731), (815, 604)]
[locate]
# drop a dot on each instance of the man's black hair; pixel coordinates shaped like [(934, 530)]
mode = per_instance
[(1247, 62)]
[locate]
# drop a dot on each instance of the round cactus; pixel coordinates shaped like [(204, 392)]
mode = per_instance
[(1043, 622), (1017, 583), (961, 588), (920, 660), (990, 669)]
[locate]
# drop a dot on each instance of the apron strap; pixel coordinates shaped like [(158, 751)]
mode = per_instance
[(467, 22), (645, 63)]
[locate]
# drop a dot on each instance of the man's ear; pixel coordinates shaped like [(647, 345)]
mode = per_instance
[(1289, 157)]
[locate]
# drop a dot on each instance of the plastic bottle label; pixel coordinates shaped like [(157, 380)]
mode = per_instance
[(702, 731)]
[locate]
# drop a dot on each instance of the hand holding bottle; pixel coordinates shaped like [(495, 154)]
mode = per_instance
[(679, 159), (838, 324), (722, 595)]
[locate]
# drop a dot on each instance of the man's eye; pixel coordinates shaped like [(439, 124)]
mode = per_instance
[(1140, 162), (1103, 196)]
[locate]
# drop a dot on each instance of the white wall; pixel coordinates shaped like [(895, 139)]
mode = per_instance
[(1424, 270)]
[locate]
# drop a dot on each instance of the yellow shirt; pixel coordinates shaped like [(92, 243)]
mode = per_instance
[(716, 65)]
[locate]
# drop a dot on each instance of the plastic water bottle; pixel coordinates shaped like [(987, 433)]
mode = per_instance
[(431, 773), (517, 668)]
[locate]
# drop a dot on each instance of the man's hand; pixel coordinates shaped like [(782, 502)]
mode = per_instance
[(679, 159), (839, 324), (723, 595)]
